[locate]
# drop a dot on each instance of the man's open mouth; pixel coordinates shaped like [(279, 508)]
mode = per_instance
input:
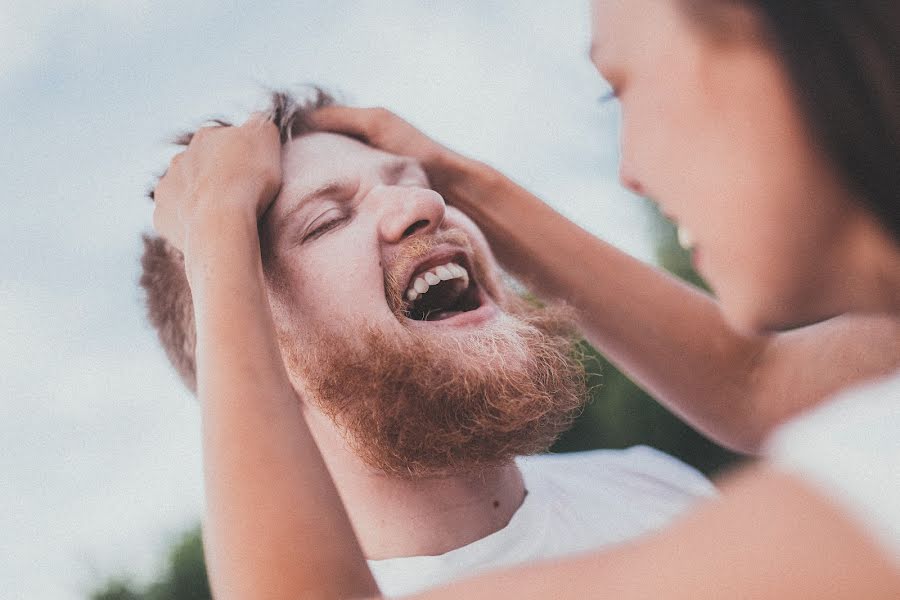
[(441, 289)]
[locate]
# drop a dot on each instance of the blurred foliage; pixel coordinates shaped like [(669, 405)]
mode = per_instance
[(619, 415), (183, 579)]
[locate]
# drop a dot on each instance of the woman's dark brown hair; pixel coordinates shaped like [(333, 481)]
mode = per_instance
[(843, 57)]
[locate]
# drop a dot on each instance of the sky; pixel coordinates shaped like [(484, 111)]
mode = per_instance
[(100, 464)]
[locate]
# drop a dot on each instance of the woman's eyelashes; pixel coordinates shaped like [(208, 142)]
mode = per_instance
[(608, 96), (612, 92), (325, 223)]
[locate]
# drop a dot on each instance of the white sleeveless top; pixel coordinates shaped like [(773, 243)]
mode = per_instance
[(849, 449)]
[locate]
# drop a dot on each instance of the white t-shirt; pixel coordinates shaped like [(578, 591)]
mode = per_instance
[(575, 502), (849, 448)]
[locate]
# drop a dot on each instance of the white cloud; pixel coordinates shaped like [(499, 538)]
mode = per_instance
[(28, 28), (100, 452)]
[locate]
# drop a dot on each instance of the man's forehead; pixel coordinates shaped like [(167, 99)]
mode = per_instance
[(316, 154), (322, 142), (315, 158)]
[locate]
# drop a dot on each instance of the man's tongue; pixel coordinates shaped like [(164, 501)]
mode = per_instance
[(440, 315), (443, 301)]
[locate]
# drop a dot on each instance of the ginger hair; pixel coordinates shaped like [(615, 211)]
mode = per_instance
[(170, 308)]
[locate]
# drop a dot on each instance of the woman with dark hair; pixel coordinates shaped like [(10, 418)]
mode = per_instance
[(769, 131)]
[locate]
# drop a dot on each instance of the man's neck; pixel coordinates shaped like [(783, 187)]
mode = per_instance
[(396, 517)]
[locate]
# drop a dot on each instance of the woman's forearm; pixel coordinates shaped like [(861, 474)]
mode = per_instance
[(275, 525)]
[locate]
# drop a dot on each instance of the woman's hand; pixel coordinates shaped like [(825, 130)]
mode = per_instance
[(383, 129), (225, 171)]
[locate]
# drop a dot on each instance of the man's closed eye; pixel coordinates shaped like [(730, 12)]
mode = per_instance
[(327, 222)]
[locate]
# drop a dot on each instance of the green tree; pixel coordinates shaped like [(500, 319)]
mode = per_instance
[(183, 579)]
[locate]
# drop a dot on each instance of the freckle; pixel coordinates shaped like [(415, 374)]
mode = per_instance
[(496, 504)]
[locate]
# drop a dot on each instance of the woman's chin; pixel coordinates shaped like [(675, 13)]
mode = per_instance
[(750, 312), (760, 314)]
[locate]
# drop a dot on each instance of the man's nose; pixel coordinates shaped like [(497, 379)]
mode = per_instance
[(408, 211)]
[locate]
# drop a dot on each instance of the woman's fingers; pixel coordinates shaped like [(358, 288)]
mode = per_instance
[(380, 128), (259, 120), (361, 123), (232, 169)]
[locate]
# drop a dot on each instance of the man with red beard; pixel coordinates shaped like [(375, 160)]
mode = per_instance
[(423, 378)]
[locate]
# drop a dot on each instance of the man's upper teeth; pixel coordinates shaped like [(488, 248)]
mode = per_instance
[(685, 238), (434, 276)]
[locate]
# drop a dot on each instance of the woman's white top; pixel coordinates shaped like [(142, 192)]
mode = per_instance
[(849, 449)]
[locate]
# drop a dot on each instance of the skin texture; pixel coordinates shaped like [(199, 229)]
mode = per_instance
[(768, 537)]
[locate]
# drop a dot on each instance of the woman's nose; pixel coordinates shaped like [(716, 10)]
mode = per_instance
[(409, 210), (629, 181)]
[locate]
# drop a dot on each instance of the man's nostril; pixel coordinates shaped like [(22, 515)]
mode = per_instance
[(415, 227)]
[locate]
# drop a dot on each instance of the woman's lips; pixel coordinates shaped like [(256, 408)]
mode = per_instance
[(696, 259)]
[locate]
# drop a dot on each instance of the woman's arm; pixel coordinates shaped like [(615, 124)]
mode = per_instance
[(668, 336), (275, 526), (768, 537)]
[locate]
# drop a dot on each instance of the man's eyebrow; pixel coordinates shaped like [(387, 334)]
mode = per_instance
[(393, 169), (390, 172)]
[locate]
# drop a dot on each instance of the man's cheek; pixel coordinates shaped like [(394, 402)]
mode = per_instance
[(353, 302), (456, 218)]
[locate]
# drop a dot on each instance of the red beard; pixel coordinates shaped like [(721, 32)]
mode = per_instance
[(425, 405)]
